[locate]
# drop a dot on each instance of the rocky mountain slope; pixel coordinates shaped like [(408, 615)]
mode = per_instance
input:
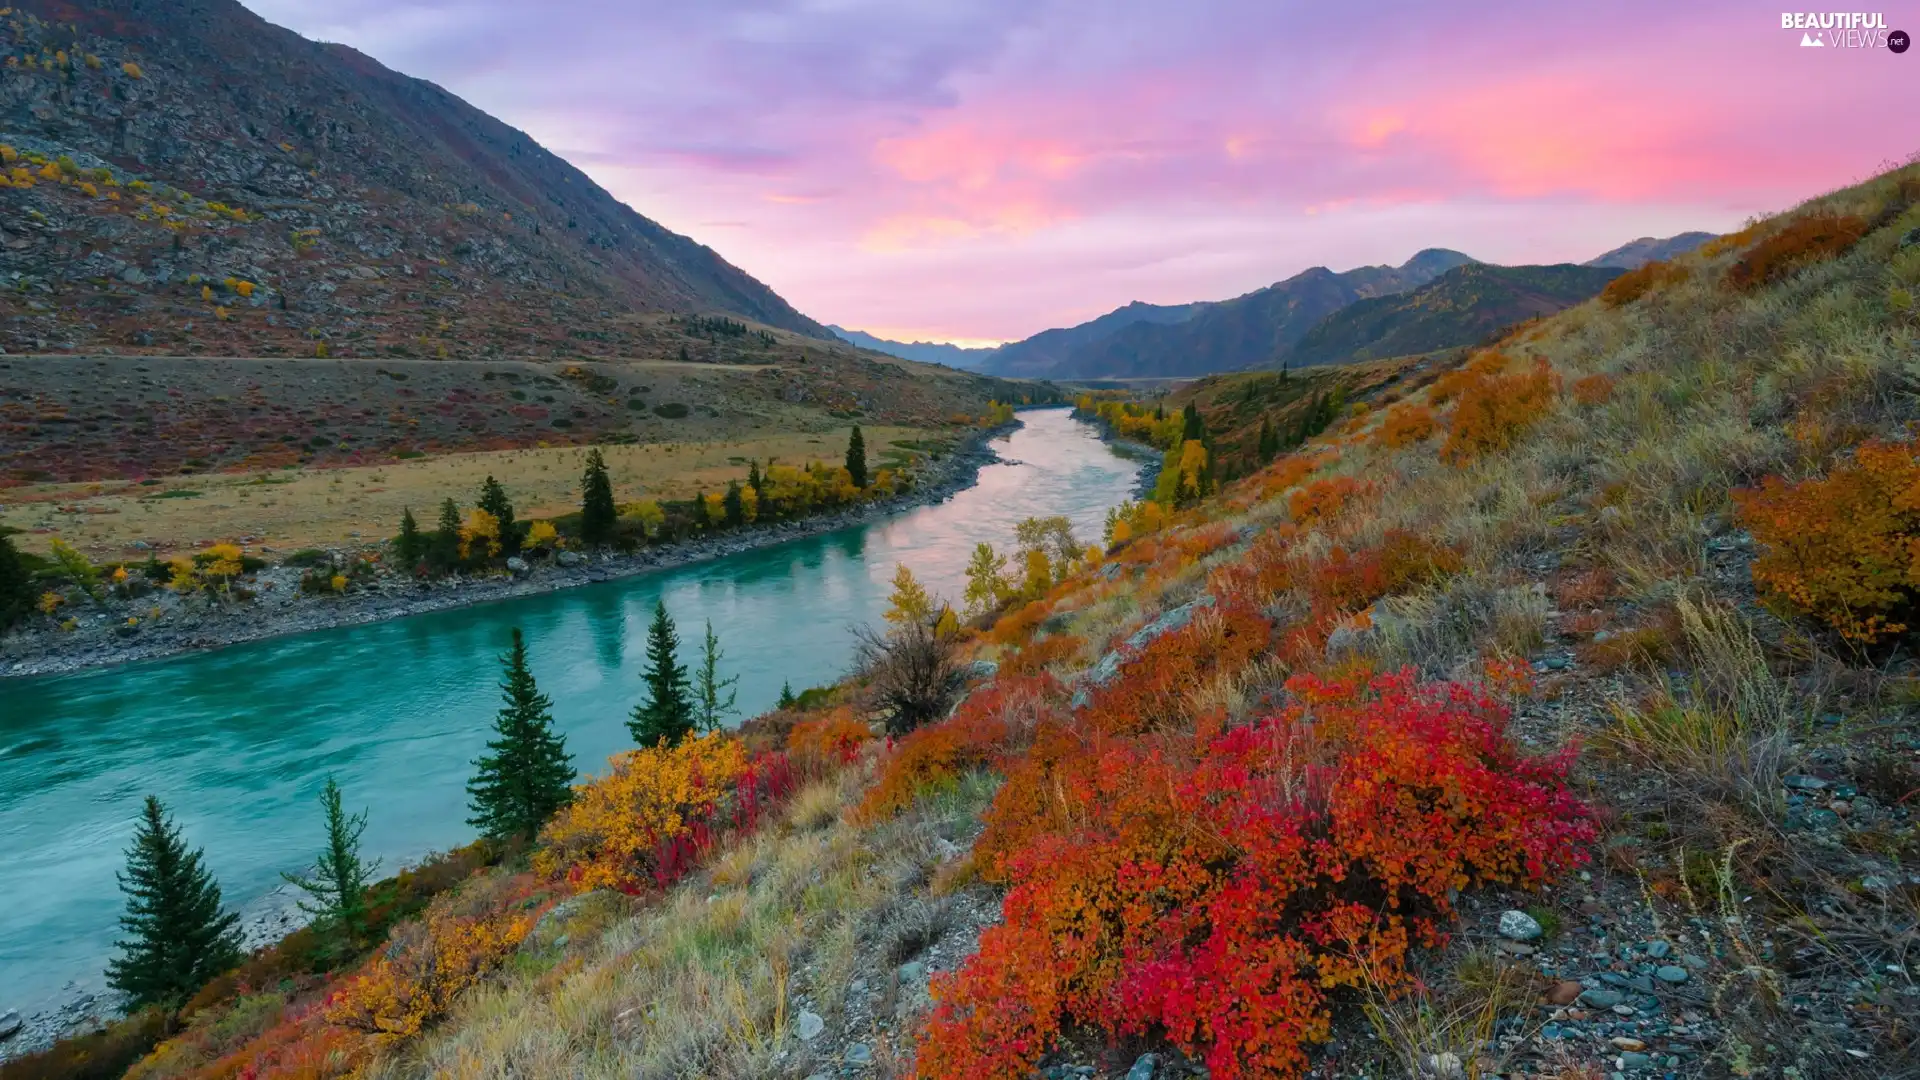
[(928, 352), (183, 174), (1461, 307), (1051, 352)]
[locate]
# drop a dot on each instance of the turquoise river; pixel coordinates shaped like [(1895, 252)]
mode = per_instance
[(238, 741)]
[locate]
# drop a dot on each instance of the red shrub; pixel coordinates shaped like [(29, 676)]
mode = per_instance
[(1153, 685), (994, 721), (1814, 238), (818, 746)]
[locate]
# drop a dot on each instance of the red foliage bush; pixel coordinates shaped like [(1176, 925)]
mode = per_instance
[(1219, 889), (818, 746), (1036, 657), (996, 720), (1814, 238), (1153, 685), (1322, 500)]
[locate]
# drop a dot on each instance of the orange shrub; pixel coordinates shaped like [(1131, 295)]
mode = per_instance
[(1153, 685), (1584, 589), (1495, 410), (1405, 425), (1844, 549), (1344, 581), (1593, 389), (1814, 238), (818, 746), (1038, 656), (1322, 500), (1636, 283), (1264, 571), (1017, 626), (995, 720)]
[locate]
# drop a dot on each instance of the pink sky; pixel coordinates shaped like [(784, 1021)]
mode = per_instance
[(982, 171)]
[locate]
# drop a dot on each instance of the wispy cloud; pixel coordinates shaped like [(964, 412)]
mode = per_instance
[(987, 168)]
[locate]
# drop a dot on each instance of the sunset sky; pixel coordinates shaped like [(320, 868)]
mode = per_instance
[(983, 170)]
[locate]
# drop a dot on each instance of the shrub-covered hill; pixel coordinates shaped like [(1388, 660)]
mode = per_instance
[(1552, 717)]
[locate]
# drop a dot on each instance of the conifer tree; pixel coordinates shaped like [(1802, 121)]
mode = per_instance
[(179, 936), (445, 551), (787, 700), (338, 885), (1194, 427), (736, 509), (410, 546), (526, 774), (667, 713), (493, 499), (753, 474), (857, 458), (713, 695), (597, 512), (16, 584)]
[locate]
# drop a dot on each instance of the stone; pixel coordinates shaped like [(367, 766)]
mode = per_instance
[(1622, 1042), (809, 1026), (1805, 783), (133, 275), (10, 1024), (1911, 239), (1670, 973), (983, 669), (1659, 950), (517, 565), (1519, 926), (1143, 1067), (912, 972), (1601, 999), (1444, 1066), (1563, 993), (570, 559), (859, 1054), (1632, 1060)]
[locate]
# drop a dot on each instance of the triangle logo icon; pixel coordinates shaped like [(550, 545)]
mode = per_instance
[(1808, 41)]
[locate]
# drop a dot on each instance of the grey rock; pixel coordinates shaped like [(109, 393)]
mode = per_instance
[(1601, 999), (913, 971), (1519, 926), (859, 1054), (1345, 639), (983, 669), (1635, 1060), (1911, 239), (809, 1026), (1805, 783), (133, 275), (1443, 1066), (1659, 950), (570, 559), (517, 565), (1143, 1067), (1670, 973), (10, 1024)]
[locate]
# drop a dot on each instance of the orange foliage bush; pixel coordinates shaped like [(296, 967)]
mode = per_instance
[(1636, 283), (818, 746), (1844, 549), (1813, 238), (1036, 657), (1593, 389), (1221, 888), (1017, 626), (1405, 425), (1153, 685), (992, 722), (1496, 409), (1346, 581), (1322, 500)]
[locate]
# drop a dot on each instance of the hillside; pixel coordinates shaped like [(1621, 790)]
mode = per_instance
[(1551, 712), (1637, 253), (1248, 330), (927, 352), (1463, 306), (360, 207)]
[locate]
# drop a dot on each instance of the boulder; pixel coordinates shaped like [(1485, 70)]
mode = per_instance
[(517, 566), (570, 559), (10, 1024)]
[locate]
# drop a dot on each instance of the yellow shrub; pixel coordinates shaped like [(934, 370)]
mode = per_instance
[(133, 70), (610, 834)]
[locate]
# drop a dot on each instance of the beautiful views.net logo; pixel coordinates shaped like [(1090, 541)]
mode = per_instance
[(1844, 30)]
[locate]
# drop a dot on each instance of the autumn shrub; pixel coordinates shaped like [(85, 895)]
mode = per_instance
[(1153, 684), (1637, 282), (1322, 500), (819, 745), (102, 1055), (994, 721), (1844, 549), (1813, 238), (613, 833), (1018, 625), (1405, 425), (1592, 389), (1042, 654), (1223, 890), (1495, 410), (1265, 570), (1403, 560)]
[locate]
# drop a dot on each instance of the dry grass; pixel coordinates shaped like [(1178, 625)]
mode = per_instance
[(346, 507)]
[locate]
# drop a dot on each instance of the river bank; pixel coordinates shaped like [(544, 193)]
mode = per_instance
[(102, 637), (1150, 458)]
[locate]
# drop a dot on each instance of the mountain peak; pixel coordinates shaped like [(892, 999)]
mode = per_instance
[(1435, 261)]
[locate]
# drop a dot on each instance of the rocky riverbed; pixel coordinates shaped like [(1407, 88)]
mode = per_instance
[(102, 634)]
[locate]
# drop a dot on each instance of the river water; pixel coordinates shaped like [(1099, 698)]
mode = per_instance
[(238, 741)]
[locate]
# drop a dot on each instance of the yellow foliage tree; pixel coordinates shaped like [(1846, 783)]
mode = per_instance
[(607, 837), (647, 515), (749, 504), (542, 534), (714, 503), (909, 602), (480, 533)]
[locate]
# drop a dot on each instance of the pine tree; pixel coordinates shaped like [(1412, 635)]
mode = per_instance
[(493, 499), (16, 584), (444, 553), (857, 458), (787, 700), (1194, 427), (736, 509), (713, 695), (180, 938), (339, 883), (668, 711), (753, 474), (1269, 442), (526, 774), (597, 513), (410, 546)]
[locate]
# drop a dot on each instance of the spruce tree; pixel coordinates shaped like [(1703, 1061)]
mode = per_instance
[(410, 546), (597, 512), (736, 510), (493, 499), (339, 883), (526, 774), (16, 584), (787, 700), (713, 695), (445, 550), (179, 936), (753, 475), (1269, 442), (668, 711), (857, 458)]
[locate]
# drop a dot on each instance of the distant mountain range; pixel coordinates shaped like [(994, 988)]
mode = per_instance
[(1637, 253), (1438, 299)]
